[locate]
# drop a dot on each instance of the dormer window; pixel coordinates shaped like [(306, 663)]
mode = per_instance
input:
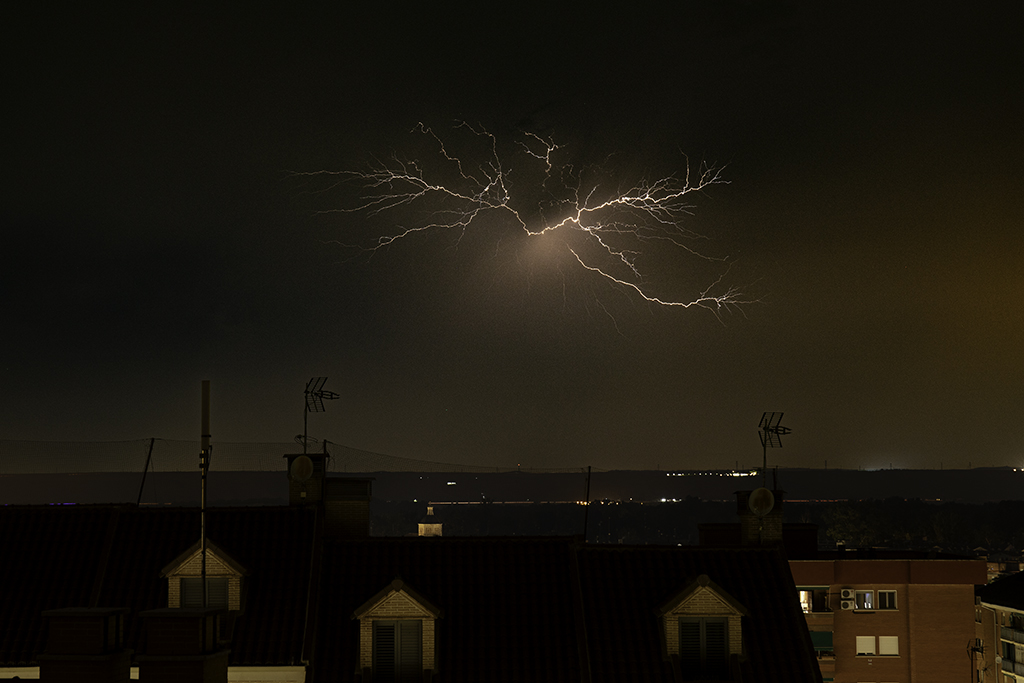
[(223, 579), (704, 647), (398, 650), (702, 627), (217, 591), (396, 634)]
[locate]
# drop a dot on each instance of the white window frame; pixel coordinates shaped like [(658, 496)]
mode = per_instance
[(865, 599), (894, 604), (864, 644)]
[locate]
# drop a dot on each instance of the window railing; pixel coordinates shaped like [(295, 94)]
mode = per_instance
[(1013, 667), (1012, 634)]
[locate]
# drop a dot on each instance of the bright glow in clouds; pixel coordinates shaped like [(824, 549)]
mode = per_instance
[(607, 230)]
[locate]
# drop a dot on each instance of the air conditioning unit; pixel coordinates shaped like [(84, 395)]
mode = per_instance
[(848, 604), (847, 594)]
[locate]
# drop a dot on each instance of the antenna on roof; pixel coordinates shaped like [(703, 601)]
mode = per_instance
[(204, 468), (315, 395), (771, 433)]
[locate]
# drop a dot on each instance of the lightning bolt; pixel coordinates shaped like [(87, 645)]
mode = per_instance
[(606, 229)]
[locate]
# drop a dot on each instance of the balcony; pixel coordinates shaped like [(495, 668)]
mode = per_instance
[(1013, 635), (1013, 667), (820, 619)]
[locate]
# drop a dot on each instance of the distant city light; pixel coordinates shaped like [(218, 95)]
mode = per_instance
[(712, 473)]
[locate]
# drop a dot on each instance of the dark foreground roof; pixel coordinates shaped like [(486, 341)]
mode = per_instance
[(553, 609), (512, 609), (111, 556), (624, 586), (1007, 591)]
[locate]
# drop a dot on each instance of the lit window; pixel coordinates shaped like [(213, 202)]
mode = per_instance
[(886, 599), (865, 599), (703, 647), (888, 645), (813, 599), (397, 650), (865, 645)]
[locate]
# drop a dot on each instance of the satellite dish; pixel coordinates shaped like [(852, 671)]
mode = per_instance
[(761, 501), (301, 469)]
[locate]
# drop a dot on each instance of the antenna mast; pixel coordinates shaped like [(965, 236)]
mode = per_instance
[(771, 437), (204, 467), (315, 395)]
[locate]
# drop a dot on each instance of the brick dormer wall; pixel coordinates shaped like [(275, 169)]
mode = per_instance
[(397, 601), (219, 565), (703, 598)]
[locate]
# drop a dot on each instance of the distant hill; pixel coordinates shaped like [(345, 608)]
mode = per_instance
[(270, 488)]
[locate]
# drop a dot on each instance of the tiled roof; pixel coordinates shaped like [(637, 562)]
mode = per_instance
[(507, 604), (43, 548), (624, 586), (517, 609), (111, 556), (512, 609)]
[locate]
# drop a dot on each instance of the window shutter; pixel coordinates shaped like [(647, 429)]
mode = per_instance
[(384, 651), (716, 650), (689, 645), (888, 645), (191, 592), (865, 645), (410, 641), (703, 647), (217, 595)]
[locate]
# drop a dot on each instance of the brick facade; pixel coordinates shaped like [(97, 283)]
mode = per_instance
[(933, 619)]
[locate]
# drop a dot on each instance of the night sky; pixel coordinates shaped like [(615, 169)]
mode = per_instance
[(155, 235)]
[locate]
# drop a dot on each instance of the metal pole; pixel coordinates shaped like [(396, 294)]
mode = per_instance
[(586, 510), (149, 457), (204, 466), (764, 462)]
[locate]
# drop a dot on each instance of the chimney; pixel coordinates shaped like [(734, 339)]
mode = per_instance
[(85, 645), (760, 513), (345, 500), (182, 645), (306, 472), (347, 507)]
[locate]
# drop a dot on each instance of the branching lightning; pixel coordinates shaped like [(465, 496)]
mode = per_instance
[(606, 229)]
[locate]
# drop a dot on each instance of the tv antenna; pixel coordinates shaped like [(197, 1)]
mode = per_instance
[(771, 433), (315, 397), (205, 455)]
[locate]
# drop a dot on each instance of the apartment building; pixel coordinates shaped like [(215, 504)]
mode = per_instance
[(874, 616), (999, 646)]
